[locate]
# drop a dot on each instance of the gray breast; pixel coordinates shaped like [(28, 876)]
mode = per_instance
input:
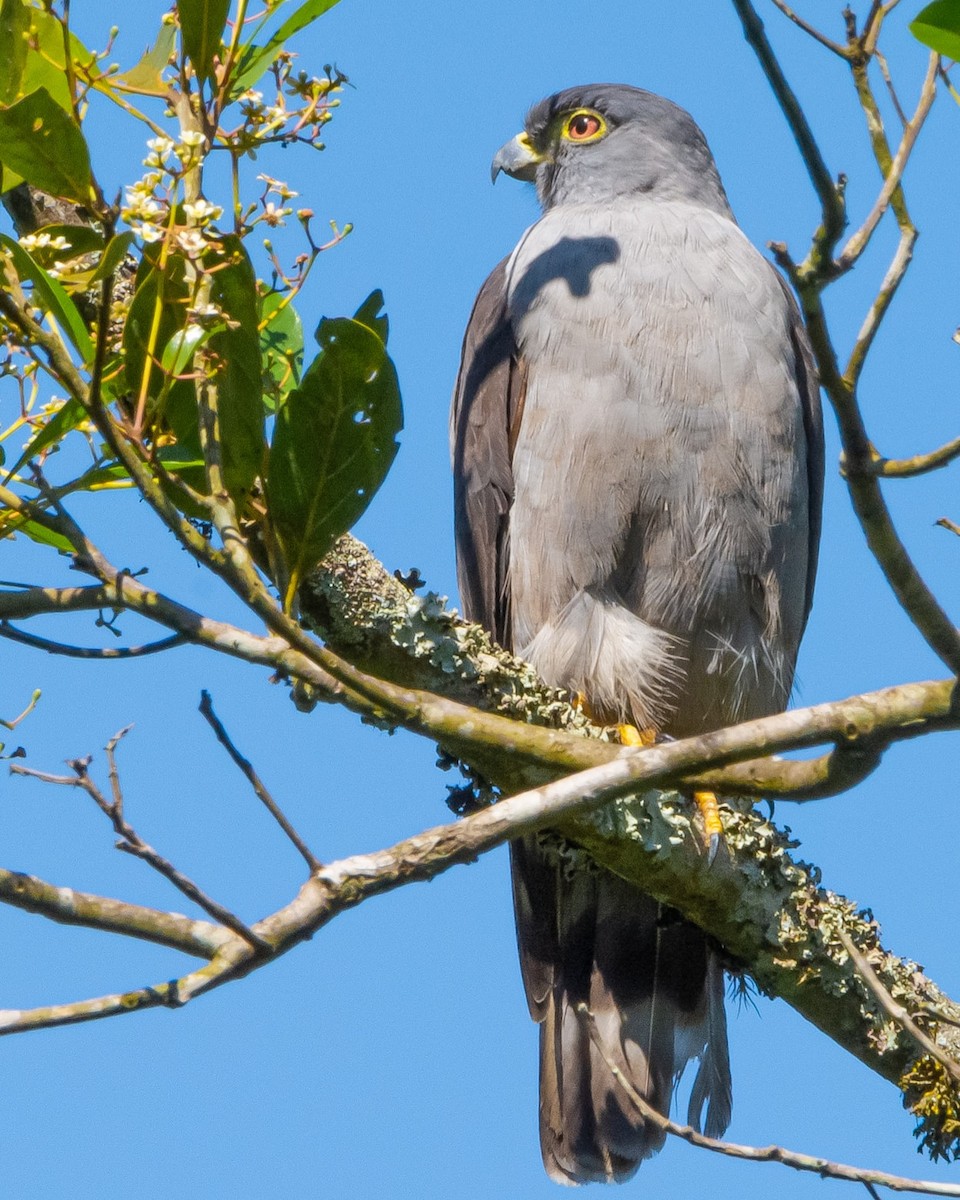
[(658, 536)]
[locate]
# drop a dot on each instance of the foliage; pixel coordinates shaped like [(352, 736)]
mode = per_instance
[(177, 355)]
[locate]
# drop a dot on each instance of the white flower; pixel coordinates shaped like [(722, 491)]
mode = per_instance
[(146, 232), (273, 215), (200, 212), (161, 146), (190, 241), (37, 241), (191, 137)]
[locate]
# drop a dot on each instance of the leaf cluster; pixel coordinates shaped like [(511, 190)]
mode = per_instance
[(181, 363)]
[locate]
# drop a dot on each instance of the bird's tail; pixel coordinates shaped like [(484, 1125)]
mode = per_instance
[(656, 994)]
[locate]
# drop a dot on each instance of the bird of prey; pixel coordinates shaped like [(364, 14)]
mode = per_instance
[(638, 465)]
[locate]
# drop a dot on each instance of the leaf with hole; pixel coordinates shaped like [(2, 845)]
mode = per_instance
[(281, 345), (238, 376), (334, 441), (44, 145)]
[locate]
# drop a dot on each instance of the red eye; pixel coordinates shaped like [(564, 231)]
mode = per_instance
[(583, 126)]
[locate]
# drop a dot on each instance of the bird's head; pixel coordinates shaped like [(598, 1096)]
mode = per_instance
[(604, 140)]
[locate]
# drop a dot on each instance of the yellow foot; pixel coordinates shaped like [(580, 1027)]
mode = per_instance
[(712, 825), (630, 735)]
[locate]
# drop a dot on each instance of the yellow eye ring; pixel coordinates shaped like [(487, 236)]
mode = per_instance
[(583, 125)]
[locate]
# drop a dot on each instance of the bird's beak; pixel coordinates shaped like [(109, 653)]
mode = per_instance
[(517, 158)]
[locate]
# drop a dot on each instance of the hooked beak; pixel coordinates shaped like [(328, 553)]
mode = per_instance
[(518, 159)]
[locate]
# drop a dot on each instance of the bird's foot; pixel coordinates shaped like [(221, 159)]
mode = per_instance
[(709, 808), (630, 735)]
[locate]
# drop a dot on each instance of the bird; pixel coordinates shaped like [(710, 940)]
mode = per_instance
[(637, 453)]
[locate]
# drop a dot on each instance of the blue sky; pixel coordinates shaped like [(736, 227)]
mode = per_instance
[(392, 1056)]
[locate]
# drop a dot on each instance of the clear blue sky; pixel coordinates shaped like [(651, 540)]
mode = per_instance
[(392, 1057)]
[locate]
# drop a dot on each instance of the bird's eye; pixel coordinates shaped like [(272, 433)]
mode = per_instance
[(584, 126)]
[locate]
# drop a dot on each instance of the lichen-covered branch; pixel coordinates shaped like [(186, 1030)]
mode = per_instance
[(767, 910), (68, 906)]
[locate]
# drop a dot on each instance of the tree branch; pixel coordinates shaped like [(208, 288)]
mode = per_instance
[(776, 1154), (68, 906)]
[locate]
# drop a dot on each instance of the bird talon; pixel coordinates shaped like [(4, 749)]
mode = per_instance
[(709, 808), (630, 735)]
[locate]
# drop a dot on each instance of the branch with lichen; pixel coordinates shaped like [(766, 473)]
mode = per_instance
[(766, 909)]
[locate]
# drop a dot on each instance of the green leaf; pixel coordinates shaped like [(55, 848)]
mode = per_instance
[(113, 255), (146, 77), (157, 311), (281, 345), (938, 26), (333, 444), (14, 27), (202, 23), (45, 65), (44, 145), (369, 314), (254, 60), (49, 295), (63, 422), (46, 537), (239, 376)]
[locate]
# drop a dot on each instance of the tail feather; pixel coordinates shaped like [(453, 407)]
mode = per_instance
[(713, 1084), (656, 995)]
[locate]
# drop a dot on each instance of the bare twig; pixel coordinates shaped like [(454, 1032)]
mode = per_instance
[(811, 30), (206, 708), (946, 523), (777, 1154), (893, 174), (809, 278), (132, 843), (919, 464), (888, 80), (11, 633), (896, 1012), (820, 260), (11, 725)]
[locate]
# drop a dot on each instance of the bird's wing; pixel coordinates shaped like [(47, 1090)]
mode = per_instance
[(486, 414), (484, 422), (808, 385)]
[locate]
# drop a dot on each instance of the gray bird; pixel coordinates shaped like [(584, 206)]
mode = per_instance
[(638, 466)]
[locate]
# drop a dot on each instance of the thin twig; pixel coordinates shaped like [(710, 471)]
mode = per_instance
[(11, 633), (858, 241), (888, 80), (946, 523), (829, 192), (778, 1154), (11, 725), (919, 464), (811, 30), (895, 1011), (206, 708), (132, 843)]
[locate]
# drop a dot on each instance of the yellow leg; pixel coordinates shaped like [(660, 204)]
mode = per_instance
[(712, 825), (630, 735)]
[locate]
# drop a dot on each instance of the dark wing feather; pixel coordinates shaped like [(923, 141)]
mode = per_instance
[(808, 383), (487, 407)]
